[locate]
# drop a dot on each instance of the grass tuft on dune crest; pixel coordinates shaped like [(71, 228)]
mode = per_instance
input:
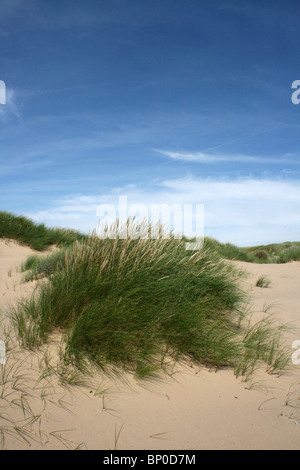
[(140, 305), (37, 236)]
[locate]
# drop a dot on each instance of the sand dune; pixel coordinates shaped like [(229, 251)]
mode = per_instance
[(193, 409)]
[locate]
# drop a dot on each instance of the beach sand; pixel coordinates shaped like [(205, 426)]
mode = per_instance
[(194, 409)]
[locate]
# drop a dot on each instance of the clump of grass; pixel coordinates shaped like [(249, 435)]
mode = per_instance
[(261, 255), (263, 282), (43, 266), (131, 304), (291, 253), (262, 344), (37, 236)]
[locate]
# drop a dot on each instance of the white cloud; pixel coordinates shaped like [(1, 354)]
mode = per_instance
[(244, 212), (208, 158)]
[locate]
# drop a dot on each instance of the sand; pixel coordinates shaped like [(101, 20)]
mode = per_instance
[(193, 409)]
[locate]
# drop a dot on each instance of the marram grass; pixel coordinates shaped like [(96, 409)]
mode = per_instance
[(263, 282), (37, 236), (138, 305), (40, 237)]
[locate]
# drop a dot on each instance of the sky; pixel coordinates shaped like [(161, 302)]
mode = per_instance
[(161, 101)]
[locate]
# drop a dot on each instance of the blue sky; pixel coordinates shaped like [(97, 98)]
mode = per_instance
[(165, 101)]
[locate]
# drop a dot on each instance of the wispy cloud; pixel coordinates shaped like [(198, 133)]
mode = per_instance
[(241, 211), (210, 159)]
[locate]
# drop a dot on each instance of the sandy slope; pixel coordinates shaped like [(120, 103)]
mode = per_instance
[(195, 409)]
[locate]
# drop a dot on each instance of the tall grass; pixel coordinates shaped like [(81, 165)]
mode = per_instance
[(37, 236), (135, 305)]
